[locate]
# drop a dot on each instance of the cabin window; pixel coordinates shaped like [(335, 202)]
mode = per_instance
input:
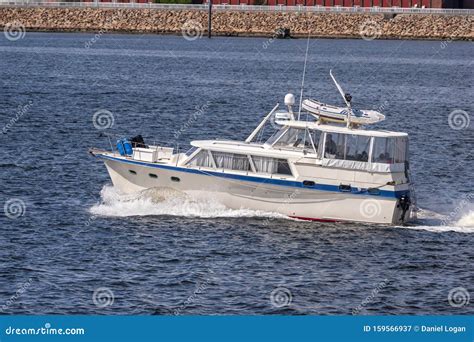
[(335, 146), (152, 175), (191, 150), (317, 141), (175, 179), (132, 172), (202, 159), (357, 147), (283, 167), (271, 165), (347, 147), (390, 150), (231, 161)]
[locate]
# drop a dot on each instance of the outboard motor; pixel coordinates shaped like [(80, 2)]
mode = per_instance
[(138, 141), (404, 203)]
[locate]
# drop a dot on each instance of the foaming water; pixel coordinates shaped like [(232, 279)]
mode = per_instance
[(441, 229), (171, 202), (438, 223), (467, 220), (166, 201)]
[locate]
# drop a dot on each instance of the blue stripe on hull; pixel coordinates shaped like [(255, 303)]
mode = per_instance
[(280, 182)]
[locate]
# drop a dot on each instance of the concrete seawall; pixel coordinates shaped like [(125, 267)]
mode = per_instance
[(193, 23)]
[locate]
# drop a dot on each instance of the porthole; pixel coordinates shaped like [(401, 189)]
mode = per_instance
[(132, 172), (308, 183), (345, 188), (373, 191), (152, 175), (175, 179)]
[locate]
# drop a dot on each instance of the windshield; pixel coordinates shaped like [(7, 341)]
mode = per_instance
[(276, 136), (295, 138)]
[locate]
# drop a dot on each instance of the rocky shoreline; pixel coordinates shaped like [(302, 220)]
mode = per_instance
[(192, 24)]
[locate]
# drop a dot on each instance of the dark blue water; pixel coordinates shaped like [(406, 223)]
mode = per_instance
[(69, 243)]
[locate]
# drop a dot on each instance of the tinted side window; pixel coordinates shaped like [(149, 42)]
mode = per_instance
[(283, 167), (357, 147)]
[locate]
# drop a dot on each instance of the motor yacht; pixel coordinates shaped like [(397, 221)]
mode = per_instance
[(328, 168)]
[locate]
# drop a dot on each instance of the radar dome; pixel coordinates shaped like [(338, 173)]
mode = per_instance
[(289, 99)]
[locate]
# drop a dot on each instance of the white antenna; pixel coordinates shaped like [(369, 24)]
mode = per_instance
[(304, 73), (347, 99), (339, 88)]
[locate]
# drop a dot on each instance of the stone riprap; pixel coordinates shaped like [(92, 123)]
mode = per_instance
[(193, 23)]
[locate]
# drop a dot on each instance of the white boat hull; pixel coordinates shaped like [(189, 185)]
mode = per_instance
[(293, 201)]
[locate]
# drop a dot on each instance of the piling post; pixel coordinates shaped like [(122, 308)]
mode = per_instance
[(209, 20)]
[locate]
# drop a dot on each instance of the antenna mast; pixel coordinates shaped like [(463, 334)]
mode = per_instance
[(304, 73)]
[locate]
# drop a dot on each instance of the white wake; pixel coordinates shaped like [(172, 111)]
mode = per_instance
[(467, 220), (166, 201), (445, 223)]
